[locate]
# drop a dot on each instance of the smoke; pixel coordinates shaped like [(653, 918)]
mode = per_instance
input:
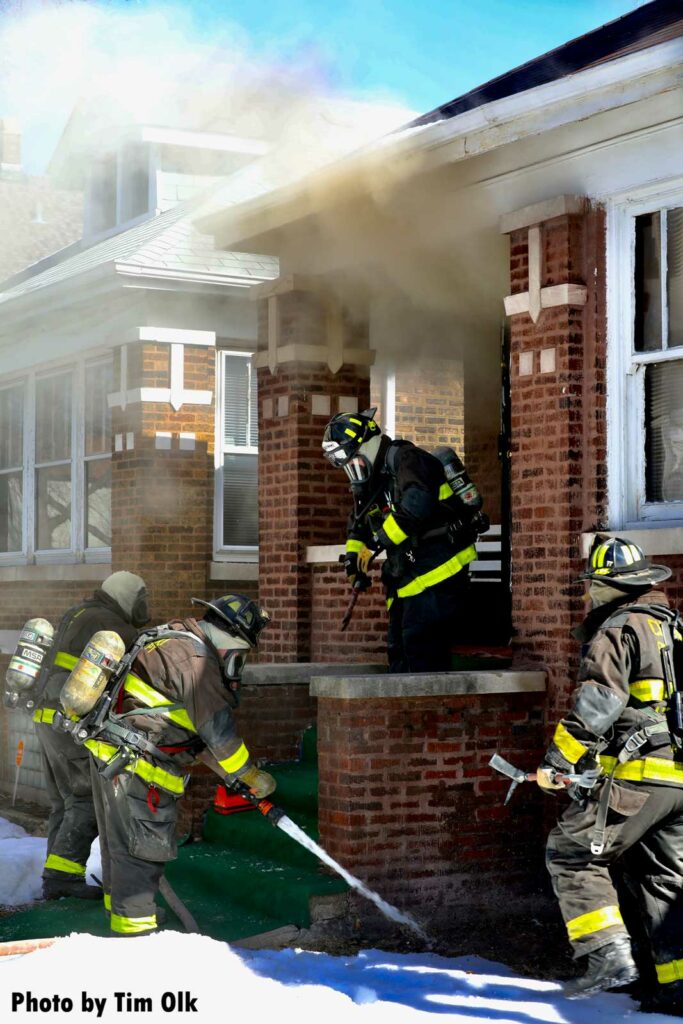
[(158, 66)]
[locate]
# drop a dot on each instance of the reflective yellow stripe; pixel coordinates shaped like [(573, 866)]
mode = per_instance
[(390, 601), (673, 971), (64, 660), (352, 419), (174, 784), (354, 546), (107, 901), (601, 554), (351, 433), (572, 749), (151, 698), (445, 491), (235, 761), (55, 863), (442, 572), (45, 715), (592, 922), (647, 689), (393, 531), (132, 925), (647, 769)]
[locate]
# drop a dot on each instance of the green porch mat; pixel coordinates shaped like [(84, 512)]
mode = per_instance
[(244, 877)]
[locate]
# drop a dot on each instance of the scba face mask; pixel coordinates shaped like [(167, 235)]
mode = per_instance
[(359, 468)]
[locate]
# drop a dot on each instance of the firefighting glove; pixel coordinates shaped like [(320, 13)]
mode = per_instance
[(260, 783), (545, 777), (358, 579)]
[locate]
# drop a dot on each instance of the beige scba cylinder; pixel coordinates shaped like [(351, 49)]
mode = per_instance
[(23, 670), (92, 672)]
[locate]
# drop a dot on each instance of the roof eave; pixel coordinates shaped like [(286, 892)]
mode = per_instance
[(595, 90)]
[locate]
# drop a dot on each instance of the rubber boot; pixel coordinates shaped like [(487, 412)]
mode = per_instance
[(666, 999), (55, 888), (610, 966)]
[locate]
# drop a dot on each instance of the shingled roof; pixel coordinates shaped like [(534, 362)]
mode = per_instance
[(166, 246)]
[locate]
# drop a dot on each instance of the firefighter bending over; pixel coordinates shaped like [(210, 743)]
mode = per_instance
[(424, 511), (173, 708), (621, 721), (120, 604)]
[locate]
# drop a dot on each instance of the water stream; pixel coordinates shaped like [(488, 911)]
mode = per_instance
[(288, 826)]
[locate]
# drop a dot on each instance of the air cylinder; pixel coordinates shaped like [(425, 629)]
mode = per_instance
[(91, 673)]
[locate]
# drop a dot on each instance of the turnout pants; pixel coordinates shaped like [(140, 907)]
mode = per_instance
[(421, 628), (137, 837), (71, 824), (645, 833)]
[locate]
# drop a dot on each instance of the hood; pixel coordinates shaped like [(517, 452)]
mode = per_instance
[(130, 594)]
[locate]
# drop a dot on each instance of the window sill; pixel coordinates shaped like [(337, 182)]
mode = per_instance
[(85, 571), (226, 570), (659, 540)]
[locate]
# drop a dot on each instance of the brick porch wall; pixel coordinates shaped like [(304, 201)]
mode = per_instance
[(408, 803)]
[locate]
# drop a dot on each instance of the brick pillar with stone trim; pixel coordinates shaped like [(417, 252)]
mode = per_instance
[(162, 466), (313, 361), (558, 329)]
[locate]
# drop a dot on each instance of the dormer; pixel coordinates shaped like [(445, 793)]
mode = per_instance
[(132, 172)]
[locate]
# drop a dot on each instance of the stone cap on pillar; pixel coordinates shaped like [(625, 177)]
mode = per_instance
[(533, 217), (426, 684), (334, 354)]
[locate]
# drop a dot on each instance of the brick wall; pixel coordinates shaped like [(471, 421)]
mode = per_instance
[(408, 803), (558, 446), (302, 499), (365, 637)]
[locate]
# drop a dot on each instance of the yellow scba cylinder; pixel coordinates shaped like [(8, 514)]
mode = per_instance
[(91, 673), (22, 673)]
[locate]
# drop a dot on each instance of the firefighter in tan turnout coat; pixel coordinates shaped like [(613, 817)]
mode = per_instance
[(175, 707), (618, 724)]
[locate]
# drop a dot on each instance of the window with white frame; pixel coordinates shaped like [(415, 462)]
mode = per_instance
[(646, 348), (237, 456), (55, 464)]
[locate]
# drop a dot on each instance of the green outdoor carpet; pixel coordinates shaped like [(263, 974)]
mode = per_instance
[(244, 877)]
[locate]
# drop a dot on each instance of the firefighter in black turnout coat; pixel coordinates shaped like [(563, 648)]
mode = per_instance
[(120, 604), (620, 727), (404, 505)]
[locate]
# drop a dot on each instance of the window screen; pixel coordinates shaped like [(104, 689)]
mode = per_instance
[(664, 431)]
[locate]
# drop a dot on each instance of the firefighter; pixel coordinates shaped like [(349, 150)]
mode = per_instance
[(120, 604), (405, 506), (619, 731), (174, 708)]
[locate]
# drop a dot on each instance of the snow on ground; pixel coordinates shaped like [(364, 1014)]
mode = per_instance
[(286, 986), (289, 987), (21, 864)]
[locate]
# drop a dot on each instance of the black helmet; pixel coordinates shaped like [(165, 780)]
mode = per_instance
[(622, 564), (346, 432), (240, 614)]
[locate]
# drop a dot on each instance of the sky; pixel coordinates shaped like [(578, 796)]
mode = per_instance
[(420, 54), (291, 986)]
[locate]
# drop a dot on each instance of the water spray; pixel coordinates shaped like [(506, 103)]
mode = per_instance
[(277, 817)]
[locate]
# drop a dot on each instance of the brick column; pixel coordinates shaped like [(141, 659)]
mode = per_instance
[(162, 469), (313, 361), (558, 423)]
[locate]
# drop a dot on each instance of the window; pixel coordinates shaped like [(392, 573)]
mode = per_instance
[(55, 465), (237, 456), (646, 352), (11, 467)]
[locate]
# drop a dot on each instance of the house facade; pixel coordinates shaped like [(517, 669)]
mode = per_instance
[(503, 275), (538, 219)]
